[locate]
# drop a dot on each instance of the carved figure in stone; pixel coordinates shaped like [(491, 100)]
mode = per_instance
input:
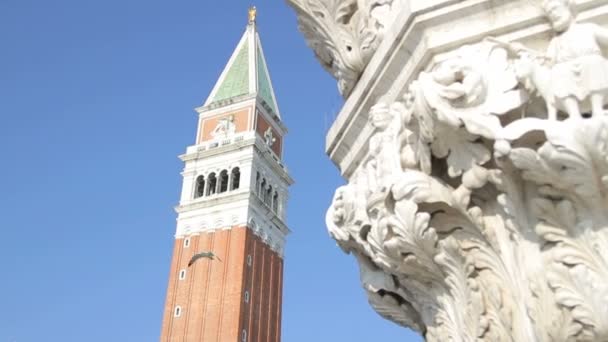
[(224, 128), (269, 138), (458, 82), (381, 12), (348, 213), (574, 77), (384, 144), (576, 51), (414, 138), (409, 139), (472, 87)]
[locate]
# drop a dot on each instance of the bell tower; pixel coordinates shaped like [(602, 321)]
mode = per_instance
[(226, 277)]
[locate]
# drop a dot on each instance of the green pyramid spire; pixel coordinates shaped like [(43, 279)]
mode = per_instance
[(246, 73), (236, 82), (264, 85)]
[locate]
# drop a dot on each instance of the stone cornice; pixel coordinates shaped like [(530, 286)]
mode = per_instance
[(272, 118), (213, 201), (221, 105), (220, 146)]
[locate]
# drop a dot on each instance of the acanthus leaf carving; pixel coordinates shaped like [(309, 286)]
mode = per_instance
[(474, 216), (344, 35)]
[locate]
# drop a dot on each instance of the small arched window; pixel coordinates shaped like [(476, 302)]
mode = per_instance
[(257, 183), (246, 296), (244, 336), (262, 189), (200, 187), (275, 202), (223, 186), (182, 274), (212, 184), (268, 196), (236, 178), (186, 242), (178, 311)]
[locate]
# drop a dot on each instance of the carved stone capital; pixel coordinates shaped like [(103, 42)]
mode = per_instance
[(477, 195)]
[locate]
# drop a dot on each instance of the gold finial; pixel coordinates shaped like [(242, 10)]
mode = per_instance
[(252, 14)]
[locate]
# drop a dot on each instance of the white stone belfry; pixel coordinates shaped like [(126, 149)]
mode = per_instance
[(474, 139), (232, 176)]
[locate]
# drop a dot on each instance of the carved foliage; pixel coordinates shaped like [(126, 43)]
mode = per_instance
[(472, 239), (343, 34)]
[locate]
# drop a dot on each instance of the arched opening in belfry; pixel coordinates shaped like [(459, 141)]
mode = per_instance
[(257, 183), (262, 189), (275, 202), (223, 186), (268, 196), (211, 184), (199, 190), (236, 178)]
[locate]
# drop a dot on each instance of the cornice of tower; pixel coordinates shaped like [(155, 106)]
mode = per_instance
[(220, 146), (276, 121), (216, 200), (241, 102)]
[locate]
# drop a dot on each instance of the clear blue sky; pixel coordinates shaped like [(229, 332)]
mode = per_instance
[(96, 101)]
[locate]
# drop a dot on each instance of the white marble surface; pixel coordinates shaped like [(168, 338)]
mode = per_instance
[(475, 144)]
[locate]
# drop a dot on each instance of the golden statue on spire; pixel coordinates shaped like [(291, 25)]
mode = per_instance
[(252, 14)]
